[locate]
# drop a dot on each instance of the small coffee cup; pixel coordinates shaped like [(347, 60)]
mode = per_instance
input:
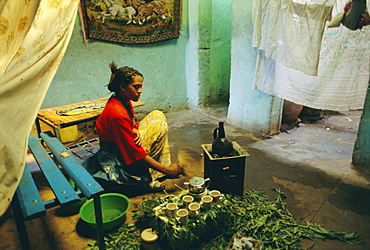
[(194, 210), (207, 202), (216, 195), (187, 199), (171, 209), (182, 215)]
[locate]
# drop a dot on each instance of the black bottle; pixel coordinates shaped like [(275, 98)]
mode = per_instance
[(222, 146)]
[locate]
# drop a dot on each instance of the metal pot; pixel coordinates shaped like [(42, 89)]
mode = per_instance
[(198, 185)]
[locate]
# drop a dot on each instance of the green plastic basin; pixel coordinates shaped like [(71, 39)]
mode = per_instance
[(114, 208)]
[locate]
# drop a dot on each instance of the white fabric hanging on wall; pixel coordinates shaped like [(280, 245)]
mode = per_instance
[(34, 35), (343, 71)]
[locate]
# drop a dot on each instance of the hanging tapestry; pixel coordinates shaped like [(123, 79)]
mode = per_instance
[(131, 21)]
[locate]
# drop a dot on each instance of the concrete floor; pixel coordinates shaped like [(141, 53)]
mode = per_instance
[(311, 164)]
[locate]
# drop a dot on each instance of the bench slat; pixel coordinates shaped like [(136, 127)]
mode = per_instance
[(84, 181), (57, 181), (28, 197)]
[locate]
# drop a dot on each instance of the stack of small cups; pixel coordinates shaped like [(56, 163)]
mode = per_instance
[(191, 209), (172, 211)]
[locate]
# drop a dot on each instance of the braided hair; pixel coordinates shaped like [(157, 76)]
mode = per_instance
[(121, 76)]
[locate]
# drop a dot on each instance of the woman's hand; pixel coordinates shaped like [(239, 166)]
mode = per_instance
[(172, 171), (175, 170)]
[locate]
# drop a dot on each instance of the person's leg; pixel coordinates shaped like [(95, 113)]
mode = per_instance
[(107, 164), (154, 135)]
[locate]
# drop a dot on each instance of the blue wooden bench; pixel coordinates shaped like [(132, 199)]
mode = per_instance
[(27, 203)]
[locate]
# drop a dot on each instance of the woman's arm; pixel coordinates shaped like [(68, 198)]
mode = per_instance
[(173, 170)]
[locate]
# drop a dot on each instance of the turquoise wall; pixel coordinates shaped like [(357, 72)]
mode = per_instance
[(204, 44), (192, 56), (220, 50), (249, 109), (214, 50), (84, 71), (191, 71)]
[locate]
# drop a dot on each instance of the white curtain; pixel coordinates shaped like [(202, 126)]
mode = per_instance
[(343, 65), (34, 35)]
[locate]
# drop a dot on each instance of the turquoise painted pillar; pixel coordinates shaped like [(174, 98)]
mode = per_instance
[(192, 56), (249, 109), (361, 152)]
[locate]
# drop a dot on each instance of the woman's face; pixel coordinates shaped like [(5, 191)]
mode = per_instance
[(133, 90)]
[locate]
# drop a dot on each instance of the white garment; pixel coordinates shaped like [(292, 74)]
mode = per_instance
[(290, 32), (34, 35), (343, 72)]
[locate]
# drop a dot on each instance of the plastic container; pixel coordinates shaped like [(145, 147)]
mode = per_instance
[(114, 208)]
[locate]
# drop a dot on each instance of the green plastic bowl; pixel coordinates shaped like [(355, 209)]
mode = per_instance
[(114, 208)]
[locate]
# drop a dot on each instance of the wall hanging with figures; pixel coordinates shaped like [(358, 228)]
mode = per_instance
[(131, 21)]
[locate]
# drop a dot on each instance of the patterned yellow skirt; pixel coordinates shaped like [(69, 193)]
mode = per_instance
[(153, 131)]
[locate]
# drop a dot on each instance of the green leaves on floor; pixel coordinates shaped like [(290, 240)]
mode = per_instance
[(253, 215)]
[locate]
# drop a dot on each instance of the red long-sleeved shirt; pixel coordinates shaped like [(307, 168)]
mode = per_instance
[(115, 125)]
